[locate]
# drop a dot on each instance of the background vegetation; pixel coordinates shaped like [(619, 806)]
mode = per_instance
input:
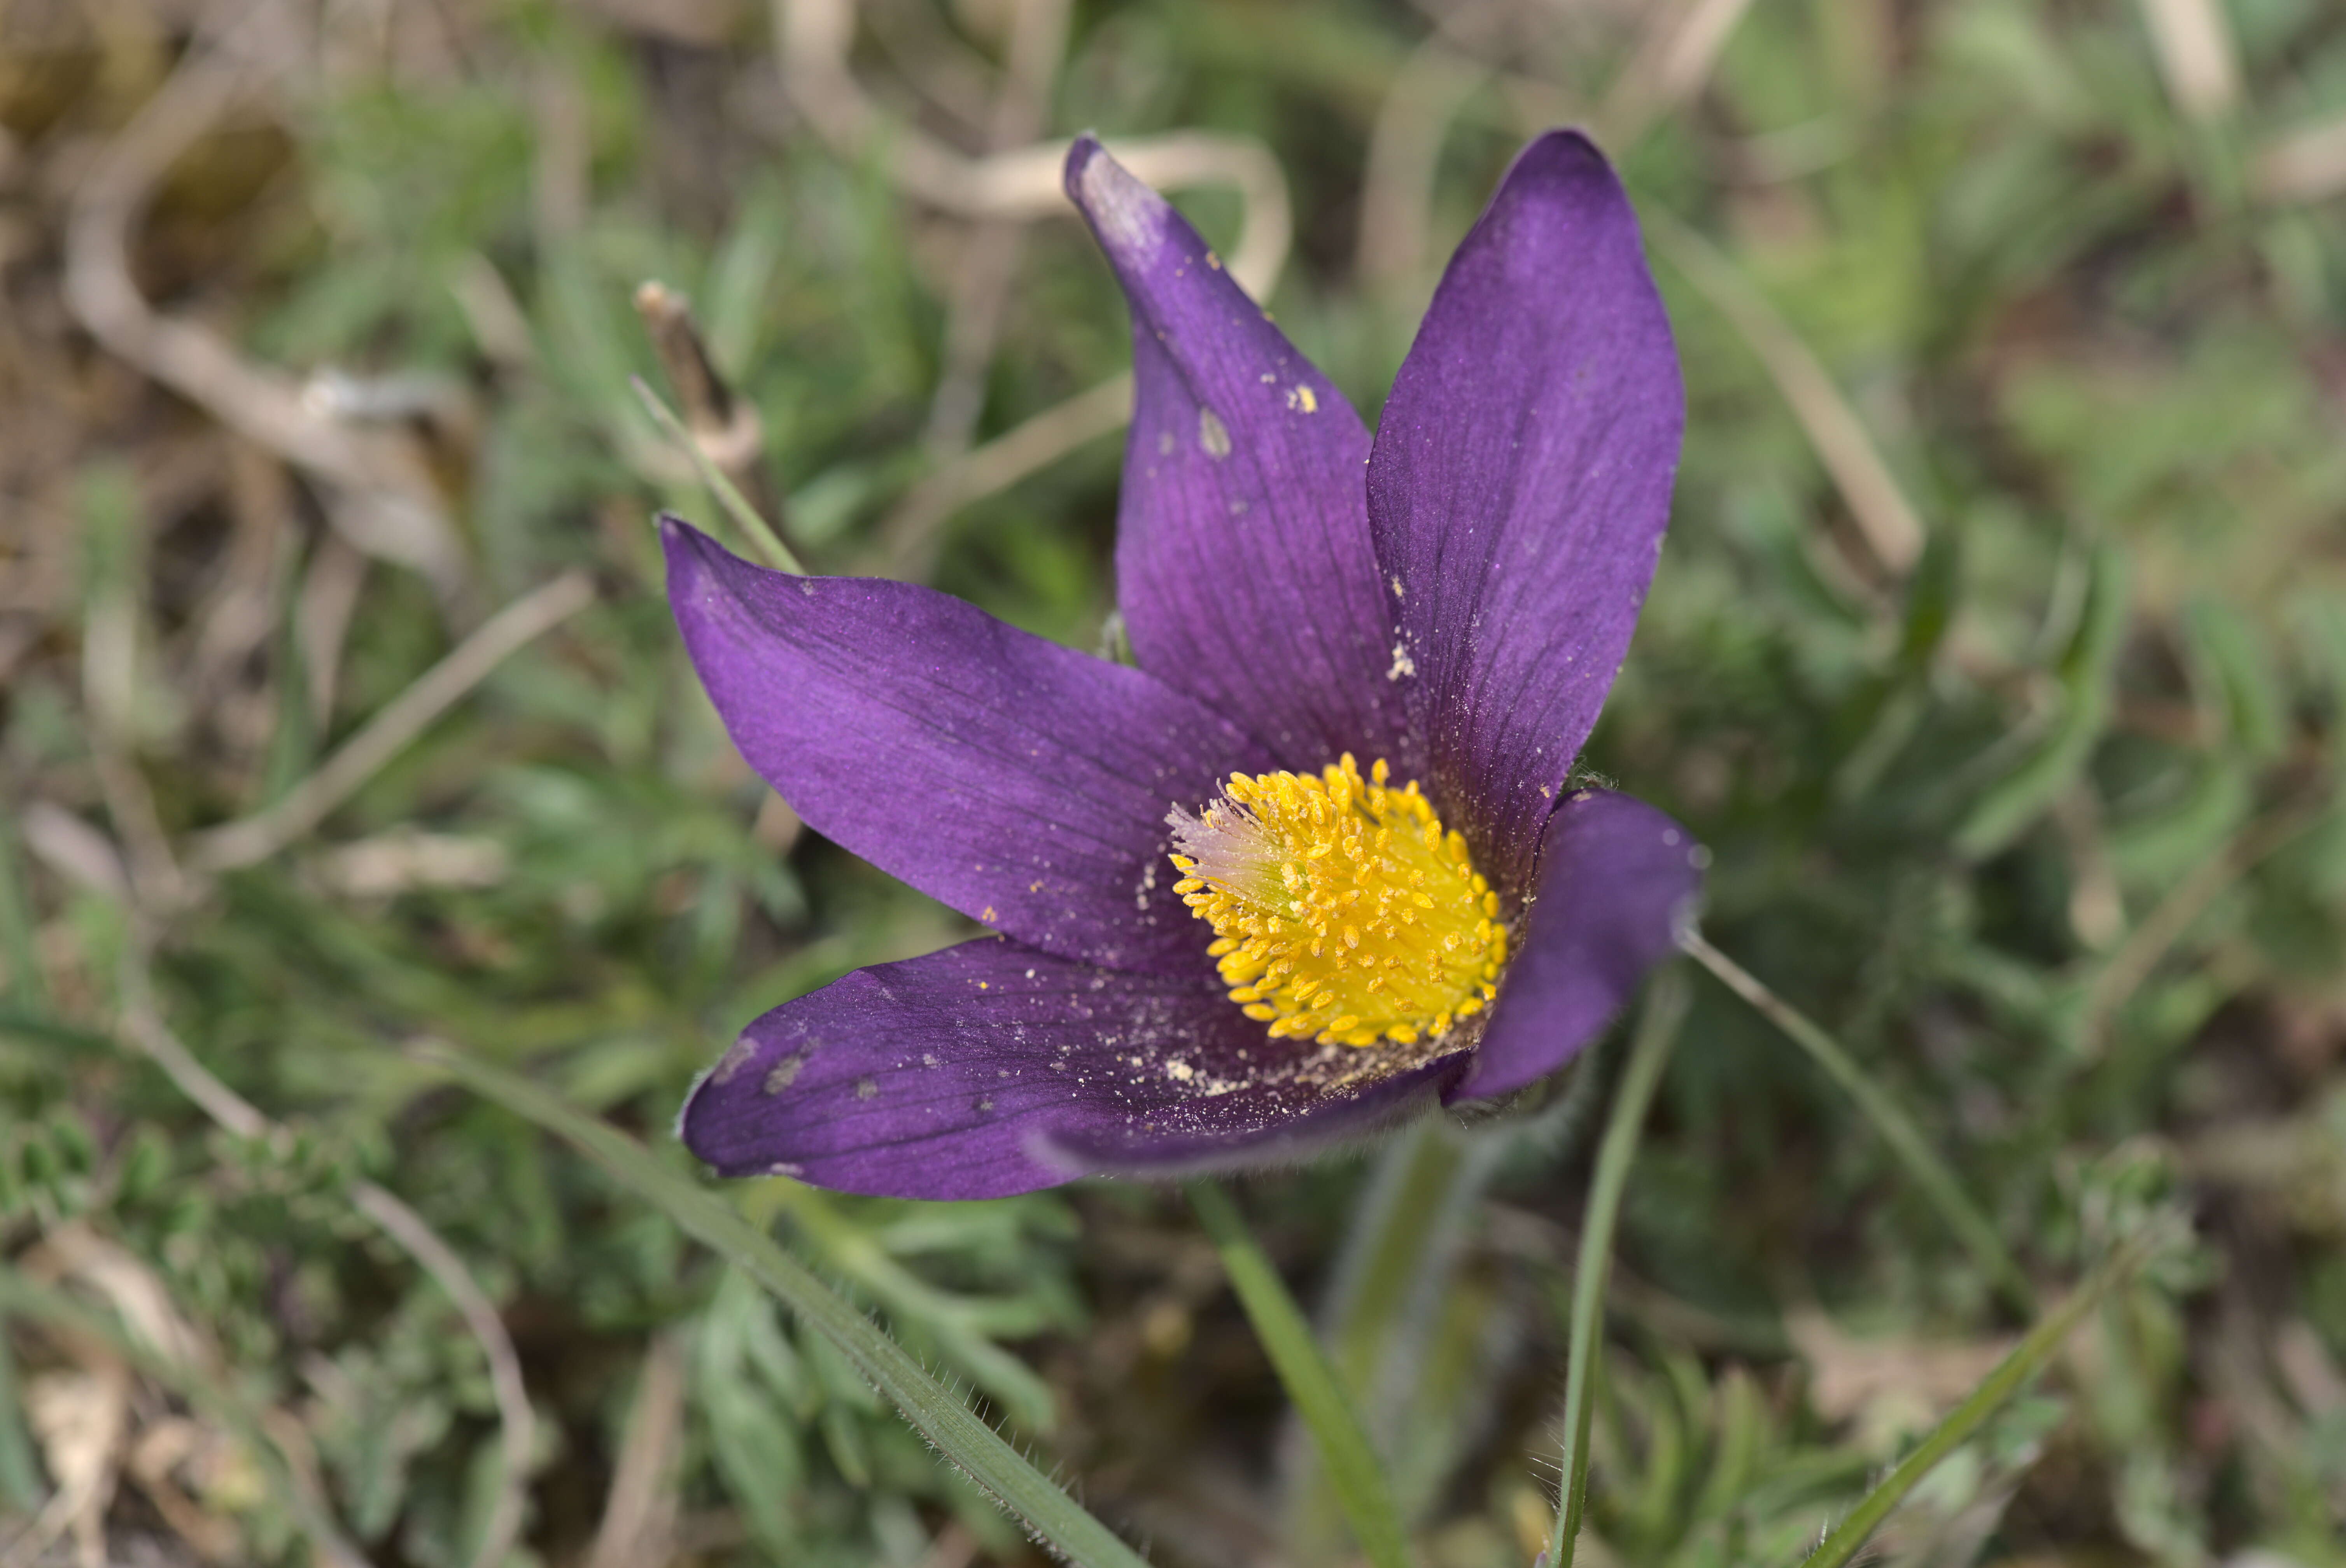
[(1999, 654)]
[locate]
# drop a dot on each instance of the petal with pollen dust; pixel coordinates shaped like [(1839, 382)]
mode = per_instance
[(1243, 562), (1023, 783), (1519, 486), (1616, 879), (990, 1068)]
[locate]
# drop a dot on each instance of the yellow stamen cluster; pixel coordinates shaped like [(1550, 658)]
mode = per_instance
[(1342, 909)]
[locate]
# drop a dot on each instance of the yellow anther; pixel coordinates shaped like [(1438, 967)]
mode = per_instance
[(1394, 939)]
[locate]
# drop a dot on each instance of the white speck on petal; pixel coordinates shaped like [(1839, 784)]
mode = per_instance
[(1213, 434), (1402, 664)]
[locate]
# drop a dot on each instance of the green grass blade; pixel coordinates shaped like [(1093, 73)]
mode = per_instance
[(2010, 1375), (746, 518), (2008, 807), (1353, 1474), (1889, 1118), (24, 982), (20, 1472), (939, 1413), (1657, 1030)]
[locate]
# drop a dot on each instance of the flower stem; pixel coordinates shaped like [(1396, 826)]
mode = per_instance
[(1403, 1240), (1889, 1118), (1657, 1030), (1389, 1287), (2014, 1370), (1358, 1480)]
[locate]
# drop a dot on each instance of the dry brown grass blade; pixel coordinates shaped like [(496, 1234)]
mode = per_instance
[(909, 538), (639, 1513), (1675, 57), (1034, 49), (517, 1435), (2197, 57), (2308, 164), (1892, 528), (813, 37), (1405, 143), (387, 503), (1015, 184), (86, 1419), (253, 839), (725, 427), (82, 1422)]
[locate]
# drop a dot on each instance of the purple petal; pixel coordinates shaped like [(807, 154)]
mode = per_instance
[(990, 1068), (1519, 486), (1243, 559), (1021, 782), (1617, 879)]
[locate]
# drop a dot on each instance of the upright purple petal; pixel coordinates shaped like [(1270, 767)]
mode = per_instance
[(1519, 486), (990, 1068), (1021, 782), (1243, 560), (1616, 879)]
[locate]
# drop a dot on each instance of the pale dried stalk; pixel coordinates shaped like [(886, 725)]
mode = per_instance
[(517, 1422), (723, 428), (2195, 56), (2308, 164), (322, 618), (908, 541), (1892, 529), (253, 839), (391, 509), (1404, 150), (981, 282), (1673, 61), (143, 1023), (639, 1513), (812, 39)]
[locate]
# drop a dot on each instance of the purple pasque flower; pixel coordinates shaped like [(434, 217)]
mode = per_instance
[(1216, 941)]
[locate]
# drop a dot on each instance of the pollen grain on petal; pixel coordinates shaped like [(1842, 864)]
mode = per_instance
[(1342, 911)]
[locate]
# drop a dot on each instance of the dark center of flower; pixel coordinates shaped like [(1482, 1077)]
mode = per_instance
[(1341, 910)]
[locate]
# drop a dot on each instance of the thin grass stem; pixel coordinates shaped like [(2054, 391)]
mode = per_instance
[(940, 1414), (1657, 1030), (2011, 1374), (1353, 1471), (1890, 1119), (746, 518)]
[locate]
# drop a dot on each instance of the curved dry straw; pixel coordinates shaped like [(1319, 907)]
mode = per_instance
[(1011, 186)]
